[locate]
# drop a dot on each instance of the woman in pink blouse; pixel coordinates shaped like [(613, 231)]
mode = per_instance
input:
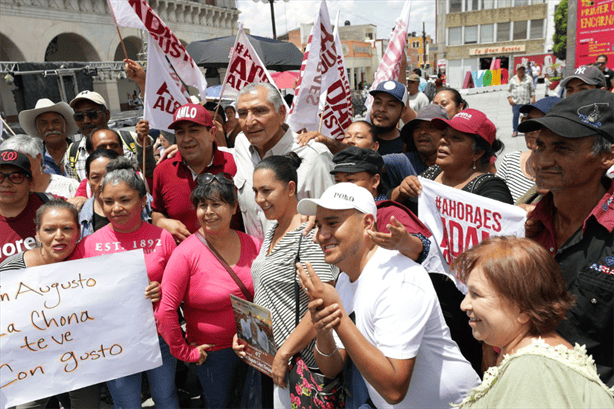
[(195, 276), (123, 196)]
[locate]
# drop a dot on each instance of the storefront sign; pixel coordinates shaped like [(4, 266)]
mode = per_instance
[(594, 30), (497, 50)]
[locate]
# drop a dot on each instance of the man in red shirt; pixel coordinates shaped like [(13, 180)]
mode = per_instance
[(174, 179)]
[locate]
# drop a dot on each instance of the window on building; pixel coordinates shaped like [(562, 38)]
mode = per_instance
[(537, 29), (454, 36), (456, 6), (503, 31), (486, 33), (520, 30), (521, 3), (370, 36), (471, 5), (488, 4), (505, 3), (471, 34)]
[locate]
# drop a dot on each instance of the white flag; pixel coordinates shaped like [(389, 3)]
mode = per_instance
[(323, 71), (459, 220), (164, 92), (390, 66), (244, 67), (128, 13)]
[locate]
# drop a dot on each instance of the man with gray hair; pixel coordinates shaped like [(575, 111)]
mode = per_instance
[(43, 182), (262, 116)]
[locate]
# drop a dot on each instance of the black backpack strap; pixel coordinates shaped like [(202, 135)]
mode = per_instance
[(73, 155), (128, 140), (45, 197)]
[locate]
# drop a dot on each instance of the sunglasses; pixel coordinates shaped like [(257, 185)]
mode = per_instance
[(93, 114), (208, 178), (15, 178)]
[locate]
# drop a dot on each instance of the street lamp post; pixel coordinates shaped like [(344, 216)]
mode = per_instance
[(271, 3)]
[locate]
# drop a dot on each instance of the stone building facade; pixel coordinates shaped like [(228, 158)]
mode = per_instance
[(83, 31)]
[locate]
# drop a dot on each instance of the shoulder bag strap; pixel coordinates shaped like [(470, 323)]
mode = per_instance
[(297, 259), (234, 276)]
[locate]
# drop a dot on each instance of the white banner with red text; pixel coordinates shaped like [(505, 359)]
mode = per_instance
[(139, 14), (164, 91), (68, 325), (322, 72), (390, 66), (459, 220), (244, 67)]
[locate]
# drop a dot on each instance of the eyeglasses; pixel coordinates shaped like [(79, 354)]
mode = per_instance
[(15, 178), (93, 114), (600, 63), (223, 178)]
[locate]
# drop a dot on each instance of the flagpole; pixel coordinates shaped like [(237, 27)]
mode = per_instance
[(234, 50), (7, 126), (121, 40)]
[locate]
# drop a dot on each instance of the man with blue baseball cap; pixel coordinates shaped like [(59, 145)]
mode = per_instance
[(573, 152), (389, 99)]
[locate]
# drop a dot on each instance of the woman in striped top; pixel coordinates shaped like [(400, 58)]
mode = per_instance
[(274, 272)]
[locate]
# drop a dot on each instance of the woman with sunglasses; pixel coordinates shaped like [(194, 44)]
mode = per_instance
[(274, 272), (123, 199), (18, 204), (57, 232), (197, 274)]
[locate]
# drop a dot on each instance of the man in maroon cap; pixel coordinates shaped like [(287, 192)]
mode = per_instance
[(174, 179)]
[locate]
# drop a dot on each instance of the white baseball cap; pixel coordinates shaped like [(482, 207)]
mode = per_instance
[(342, 196), (89, 96)]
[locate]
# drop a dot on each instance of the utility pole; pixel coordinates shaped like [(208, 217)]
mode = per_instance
[(423, 46), (273, 18)]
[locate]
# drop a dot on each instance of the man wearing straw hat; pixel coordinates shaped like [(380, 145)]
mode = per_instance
[(54, 124)]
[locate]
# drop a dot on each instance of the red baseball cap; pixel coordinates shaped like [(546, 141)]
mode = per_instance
[(471, 121), (191, 113)]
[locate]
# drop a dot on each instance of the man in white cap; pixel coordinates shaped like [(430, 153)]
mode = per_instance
[(54, 124), (384, 314), (91, 112)]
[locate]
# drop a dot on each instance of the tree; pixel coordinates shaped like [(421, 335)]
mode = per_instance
[(560, 31)]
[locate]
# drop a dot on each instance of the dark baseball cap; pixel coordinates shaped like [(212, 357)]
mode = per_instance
[(17, 159), (355, 159), (392, 87), (587, 73), (582, 114), (542, 105), (191, 113), (426, 114)]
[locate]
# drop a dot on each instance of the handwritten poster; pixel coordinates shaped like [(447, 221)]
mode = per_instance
[(68, 325), (255, 331), (459, 220)]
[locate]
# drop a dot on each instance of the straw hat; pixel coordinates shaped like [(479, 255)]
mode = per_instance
[(27, 118)]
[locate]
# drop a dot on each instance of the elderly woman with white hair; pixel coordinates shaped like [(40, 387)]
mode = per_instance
[(42, 182)]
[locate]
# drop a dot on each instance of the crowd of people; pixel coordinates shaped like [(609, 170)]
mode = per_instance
[(326, 235)]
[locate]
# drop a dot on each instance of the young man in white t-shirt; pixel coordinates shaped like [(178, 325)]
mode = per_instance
[(384, 314)]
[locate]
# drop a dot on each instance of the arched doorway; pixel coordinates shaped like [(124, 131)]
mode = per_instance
[(70, 47), (9, 50), (134, 45)]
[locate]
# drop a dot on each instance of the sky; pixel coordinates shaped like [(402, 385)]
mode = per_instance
[(290, 14)]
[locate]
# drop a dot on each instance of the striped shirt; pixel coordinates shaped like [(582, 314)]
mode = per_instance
[(274, 276), (14, 262), (521, 91), (515, 180)]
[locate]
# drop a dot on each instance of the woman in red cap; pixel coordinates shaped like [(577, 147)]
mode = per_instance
[(465, 150)]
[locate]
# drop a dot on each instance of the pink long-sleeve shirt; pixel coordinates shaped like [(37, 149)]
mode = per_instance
[(195, 276)]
